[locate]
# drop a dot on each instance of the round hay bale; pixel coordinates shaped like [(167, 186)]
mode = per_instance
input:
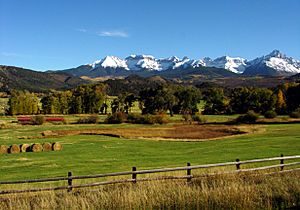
[(14, 149), (47, 147), (25, 147), (47, 133), (36, 147), (57, 146), (3, 149)]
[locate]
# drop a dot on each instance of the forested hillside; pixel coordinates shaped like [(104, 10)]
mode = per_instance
[(24, 79)]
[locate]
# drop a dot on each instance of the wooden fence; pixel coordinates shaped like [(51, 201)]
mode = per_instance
[(134, 173)]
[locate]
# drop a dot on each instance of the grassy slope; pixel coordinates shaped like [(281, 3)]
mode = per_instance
[(97, 154)]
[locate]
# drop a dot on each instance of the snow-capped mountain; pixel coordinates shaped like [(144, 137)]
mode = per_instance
[(275, 63), (145, 62), (110, 62), (236, 65), (139, 62)]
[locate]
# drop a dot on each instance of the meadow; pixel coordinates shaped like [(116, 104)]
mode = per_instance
[(86, 154), (92, 154)]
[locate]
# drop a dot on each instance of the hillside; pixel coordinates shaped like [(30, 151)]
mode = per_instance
[(295, 77), (24, 79)]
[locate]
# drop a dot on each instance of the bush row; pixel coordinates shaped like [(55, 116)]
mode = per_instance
[(120, 117), (295, 114), (200, 119), (37, 147), (93, 119)]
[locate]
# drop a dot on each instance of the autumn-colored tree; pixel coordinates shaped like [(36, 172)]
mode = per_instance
[(23, 102), (280, 103)]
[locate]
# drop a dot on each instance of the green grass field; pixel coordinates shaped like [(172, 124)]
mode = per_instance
[(91, 154)]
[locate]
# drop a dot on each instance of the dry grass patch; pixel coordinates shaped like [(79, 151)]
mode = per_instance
[(187, 132), (238, 191)]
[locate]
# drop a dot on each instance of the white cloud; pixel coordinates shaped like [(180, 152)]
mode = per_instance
[(113, 34)]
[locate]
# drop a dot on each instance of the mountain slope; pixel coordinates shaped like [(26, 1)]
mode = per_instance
[(147, 66), (202, 71), (236, 65), (273, 64), (24, 79)]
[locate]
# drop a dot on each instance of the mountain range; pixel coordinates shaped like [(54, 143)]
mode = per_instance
[(273, 64), (265, 71)]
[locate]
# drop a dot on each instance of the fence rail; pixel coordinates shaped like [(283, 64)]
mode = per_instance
[(134, 172)]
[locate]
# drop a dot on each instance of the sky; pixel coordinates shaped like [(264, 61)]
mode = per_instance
[(60, 34)]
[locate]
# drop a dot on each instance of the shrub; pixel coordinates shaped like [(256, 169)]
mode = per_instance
[(295, 114), (159, 119), (135, 118), (37, 120), (199, 118), (249, 117), (116, 118), (187, 118), (93, 119), (147, 119), (270, 114)]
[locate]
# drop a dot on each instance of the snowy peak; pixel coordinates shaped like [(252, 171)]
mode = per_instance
[(276, 54), (110, 62), (236, 65), (139, 62), (146, 62), (277, 61), (271, 64)]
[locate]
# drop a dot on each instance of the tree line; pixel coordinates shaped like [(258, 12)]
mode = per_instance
[(166, 98), (84, 99), (283, 99)]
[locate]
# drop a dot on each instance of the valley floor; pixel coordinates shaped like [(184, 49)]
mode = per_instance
[(90, 154)]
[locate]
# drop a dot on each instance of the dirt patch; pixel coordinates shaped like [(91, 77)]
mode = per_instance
[(187, 132)]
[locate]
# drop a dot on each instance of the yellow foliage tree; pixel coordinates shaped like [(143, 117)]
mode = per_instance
[(280, 104)]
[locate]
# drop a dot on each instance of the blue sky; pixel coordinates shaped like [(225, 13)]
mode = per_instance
[(60, 34)]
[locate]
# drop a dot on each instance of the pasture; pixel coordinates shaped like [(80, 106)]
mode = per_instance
[(92, 154)]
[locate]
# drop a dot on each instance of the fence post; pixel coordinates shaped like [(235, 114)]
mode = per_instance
[(238, 167), (134, 175), (70, 181), (189, 173), (281, 162)]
